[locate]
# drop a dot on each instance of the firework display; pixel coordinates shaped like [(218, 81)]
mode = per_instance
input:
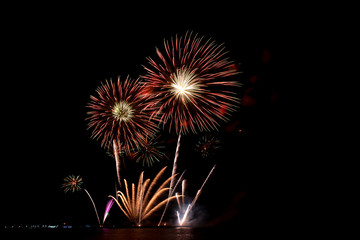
[(189, 87), (190, 84)]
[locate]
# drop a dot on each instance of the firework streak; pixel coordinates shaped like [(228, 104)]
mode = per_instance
[(97, 215), (107, 209), (117, 161), (182, 219), (172, 174), (171, 193)]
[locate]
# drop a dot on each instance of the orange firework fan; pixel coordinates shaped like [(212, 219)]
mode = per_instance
[(189, 82), (139, 203), (121, 112)]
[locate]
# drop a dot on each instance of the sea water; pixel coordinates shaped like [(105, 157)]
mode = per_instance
[(141, 233)]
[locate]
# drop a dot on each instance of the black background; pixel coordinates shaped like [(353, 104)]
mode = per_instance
[(56, 57)]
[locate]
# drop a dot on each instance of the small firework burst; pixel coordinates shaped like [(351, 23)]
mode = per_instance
[(121, 112), (150, 151), (206, 145), (72, 183), (189, 83)]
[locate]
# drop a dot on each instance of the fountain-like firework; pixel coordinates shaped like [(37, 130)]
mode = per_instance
[(144, 200)]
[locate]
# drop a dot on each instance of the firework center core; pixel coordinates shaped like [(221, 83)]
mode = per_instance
[(183, 83), (122, 111)]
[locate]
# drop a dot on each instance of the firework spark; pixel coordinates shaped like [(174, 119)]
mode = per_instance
[(206, 145), (143, 200), (74, 183), (150, 151), (190, 84)]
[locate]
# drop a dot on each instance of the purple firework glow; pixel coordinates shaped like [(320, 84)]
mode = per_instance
[(107, 209)]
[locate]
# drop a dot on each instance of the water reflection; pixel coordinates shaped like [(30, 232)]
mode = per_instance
[(143, 233), (179, 233)]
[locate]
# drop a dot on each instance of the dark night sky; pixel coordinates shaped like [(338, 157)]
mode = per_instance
[(56, 59)]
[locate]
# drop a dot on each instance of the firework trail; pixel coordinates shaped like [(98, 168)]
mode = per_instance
[(143, 200), (182, 219), (183, 184), (74, 183), (172, 174), (107, 209), (97, 215), (175, 161), (171, 193), (181, 203), (120, 116), (117, 161), (199, 191)]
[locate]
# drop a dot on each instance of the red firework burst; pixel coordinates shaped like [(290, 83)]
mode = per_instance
[(121, 112), (190, 84), (207, 145)]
